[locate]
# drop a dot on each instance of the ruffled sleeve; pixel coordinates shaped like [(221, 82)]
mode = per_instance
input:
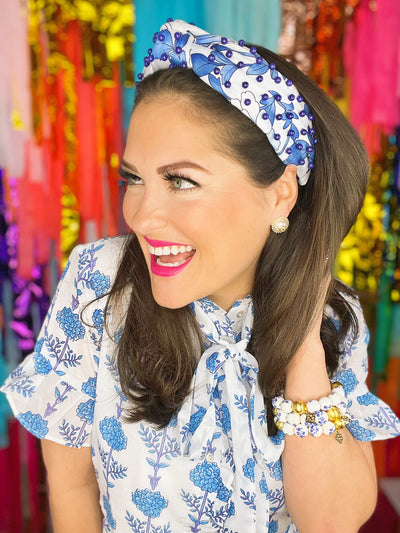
[(53, 391), (372, 419)]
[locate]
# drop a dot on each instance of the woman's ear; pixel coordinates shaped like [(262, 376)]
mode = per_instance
[(286, 191)]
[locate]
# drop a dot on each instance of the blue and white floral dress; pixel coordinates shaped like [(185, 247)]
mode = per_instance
[(214, 468)]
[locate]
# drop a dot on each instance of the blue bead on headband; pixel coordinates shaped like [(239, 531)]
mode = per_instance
[(247, 81)]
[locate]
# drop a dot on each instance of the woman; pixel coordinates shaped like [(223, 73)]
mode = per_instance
[(204, 393)]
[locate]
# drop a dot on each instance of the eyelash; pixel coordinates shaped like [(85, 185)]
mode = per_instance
[(170, 178), (131, 180)]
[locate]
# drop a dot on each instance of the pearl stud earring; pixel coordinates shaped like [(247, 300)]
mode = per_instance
[(280, 225)]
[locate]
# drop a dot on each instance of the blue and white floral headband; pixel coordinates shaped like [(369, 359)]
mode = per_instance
[(247, 81)]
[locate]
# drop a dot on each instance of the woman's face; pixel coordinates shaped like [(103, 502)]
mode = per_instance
[(201, 222)]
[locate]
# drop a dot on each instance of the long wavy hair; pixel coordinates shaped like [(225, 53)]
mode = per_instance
[(159, 348)]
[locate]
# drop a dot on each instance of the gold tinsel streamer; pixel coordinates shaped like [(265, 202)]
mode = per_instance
[(372, 247), (105, 28)]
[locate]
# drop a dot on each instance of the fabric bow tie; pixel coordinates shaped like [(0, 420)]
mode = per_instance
[(223, 420)]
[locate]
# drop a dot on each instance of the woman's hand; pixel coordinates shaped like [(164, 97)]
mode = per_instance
[(74, 493)]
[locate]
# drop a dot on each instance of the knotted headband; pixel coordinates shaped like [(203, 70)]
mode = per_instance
[(247, 81)]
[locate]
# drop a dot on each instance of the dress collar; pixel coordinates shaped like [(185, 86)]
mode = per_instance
[(225, 327)]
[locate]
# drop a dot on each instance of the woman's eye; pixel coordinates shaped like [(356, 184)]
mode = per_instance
[(133, 180), (179, 183), (128, 178)]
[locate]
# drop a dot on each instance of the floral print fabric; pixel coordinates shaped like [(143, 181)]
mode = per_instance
[(214, 468)]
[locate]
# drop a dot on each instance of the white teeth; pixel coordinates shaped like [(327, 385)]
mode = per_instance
[(176, 264), (168, 250)]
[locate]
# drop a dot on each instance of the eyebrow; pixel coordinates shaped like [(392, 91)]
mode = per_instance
[(170, 166)]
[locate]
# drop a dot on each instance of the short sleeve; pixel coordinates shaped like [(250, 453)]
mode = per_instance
[(371, 418), (53, 391)]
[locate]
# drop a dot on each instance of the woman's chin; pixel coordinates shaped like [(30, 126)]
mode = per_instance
[(170, 300)]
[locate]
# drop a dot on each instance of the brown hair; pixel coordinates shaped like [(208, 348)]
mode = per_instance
[(157, 352)]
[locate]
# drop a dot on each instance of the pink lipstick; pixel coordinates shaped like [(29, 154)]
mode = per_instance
[(169, 258)]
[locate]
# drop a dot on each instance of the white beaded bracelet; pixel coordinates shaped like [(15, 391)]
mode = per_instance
[(316, 417)]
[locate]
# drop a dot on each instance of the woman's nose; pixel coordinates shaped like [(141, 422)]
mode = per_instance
[(145, 213)]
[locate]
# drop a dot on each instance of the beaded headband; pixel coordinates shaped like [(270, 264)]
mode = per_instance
[(247, 81)]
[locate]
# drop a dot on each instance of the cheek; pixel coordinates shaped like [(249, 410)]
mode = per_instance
[(128, 209)]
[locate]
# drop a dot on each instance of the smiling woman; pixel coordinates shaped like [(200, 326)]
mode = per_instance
[(206, 373), (217, 210)]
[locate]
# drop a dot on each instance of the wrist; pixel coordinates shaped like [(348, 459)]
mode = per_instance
[(306, 376)]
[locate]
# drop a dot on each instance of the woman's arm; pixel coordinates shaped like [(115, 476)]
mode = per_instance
[(74, 493), (329, 487)]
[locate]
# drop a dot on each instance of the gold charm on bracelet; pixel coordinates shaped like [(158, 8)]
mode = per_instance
[(334, 414), (339, 437), (299, 407), (310, 418)]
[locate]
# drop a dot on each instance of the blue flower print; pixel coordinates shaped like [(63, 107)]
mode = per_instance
[(85, 411), (150, 503), (89, 387), (211, 361), (273, 527), (359, 432), (118, 335), (225, 418), (98, 320), (196, 419), (34, 423), (231, 509), (275, 470), (174, 421), (368, 399), (248, 469), (109, 517), (348, 379), (99, 283), (263, 485), (278, 438), (111, 431), (70, 324), (223, 493), (206, 476), (247, 104), (42, 365), (167, 48), (207, 305)]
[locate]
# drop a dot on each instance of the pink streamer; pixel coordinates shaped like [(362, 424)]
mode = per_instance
[(372, 61)]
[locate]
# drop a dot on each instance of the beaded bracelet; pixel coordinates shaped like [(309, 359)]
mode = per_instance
[(316, 417)]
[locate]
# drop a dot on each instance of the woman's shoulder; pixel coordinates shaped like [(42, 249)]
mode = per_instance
[(104, 252), (91, 270)]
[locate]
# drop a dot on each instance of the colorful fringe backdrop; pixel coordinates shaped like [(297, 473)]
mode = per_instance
[(66, 90)]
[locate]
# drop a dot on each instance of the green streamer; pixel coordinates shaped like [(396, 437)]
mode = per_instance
[(383, 330)]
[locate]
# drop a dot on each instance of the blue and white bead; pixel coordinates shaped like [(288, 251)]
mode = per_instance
[(325, 403), (321, 417), (313, 406), (301, 430), (315, 430), (329, 428)]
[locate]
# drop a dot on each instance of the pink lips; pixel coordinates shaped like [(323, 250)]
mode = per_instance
[(155, 243), (163, 271)]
